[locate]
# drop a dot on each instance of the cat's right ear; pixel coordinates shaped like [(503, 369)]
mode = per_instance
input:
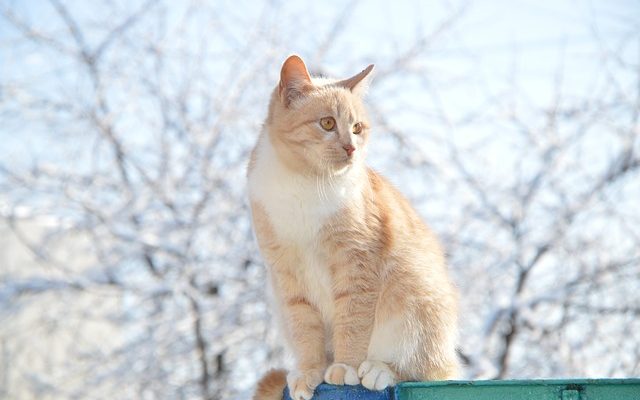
[(294, 80)]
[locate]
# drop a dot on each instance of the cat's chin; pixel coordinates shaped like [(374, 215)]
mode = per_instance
[(341, 168), (341, 171)]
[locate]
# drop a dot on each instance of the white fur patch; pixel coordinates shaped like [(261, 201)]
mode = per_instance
[(388, 341), (298, 208), (376, 375)]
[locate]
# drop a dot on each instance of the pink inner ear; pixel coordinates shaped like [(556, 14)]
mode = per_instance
[(294, 67), (293, 77)]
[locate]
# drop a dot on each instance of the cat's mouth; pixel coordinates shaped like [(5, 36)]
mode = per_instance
[(338, 162), (343, 160)]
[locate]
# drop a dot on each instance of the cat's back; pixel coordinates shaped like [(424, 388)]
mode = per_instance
[(399, 227)]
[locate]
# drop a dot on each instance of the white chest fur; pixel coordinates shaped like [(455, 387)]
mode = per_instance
[(298, 208)]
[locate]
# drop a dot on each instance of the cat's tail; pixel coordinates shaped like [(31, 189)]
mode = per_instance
[(271, 385)]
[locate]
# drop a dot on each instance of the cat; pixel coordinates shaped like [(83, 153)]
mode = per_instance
[(360, 284)]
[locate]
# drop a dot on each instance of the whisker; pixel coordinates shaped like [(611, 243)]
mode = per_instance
[(324, 186)]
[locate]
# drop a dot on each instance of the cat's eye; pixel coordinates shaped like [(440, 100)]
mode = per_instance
[(328, 123), (357, 128)]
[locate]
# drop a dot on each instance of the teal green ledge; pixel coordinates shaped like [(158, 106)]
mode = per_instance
[(540, 389)]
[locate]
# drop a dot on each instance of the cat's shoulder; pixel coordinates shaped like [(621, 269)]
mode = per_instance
[(379, 184)]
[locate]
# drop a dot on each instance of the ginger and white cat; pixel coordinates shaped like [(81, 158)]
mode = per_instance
[(360, 283)]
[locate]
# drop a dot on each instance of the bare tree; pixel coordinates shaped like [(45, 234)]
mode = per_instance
[(129, 267)]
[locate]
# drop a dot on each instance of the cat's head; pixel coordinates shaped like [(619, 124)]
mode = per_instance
[(318, 125)]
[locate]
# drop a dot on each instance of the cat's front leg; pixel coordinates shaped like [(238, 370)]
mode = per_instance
[(307, 339), (305, 331), (302, 322), (355, 294), (307, 334)]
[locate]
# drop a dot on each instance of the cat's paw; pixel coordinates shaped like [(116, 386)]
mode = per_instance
[(376, 375), (341, 374), (302, 384)]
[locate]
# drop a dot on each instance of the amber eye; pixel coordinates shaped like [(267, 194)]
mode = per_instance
[(357, 128), (328, 123)]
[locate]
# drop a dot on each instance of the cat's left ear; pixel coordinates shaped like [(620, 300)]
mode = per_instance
[(359, 83), (294, 80)]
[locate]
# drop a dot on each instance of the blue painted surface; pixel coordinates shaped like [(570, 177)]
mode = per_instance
[(332, 392)]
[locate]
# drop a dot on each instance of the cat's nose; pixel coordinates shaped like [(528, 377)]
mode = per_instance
[(349, 149)]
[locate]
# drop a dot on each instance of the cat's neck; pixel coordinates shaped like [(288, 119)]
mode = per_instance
[(352, 173), (310, 199)]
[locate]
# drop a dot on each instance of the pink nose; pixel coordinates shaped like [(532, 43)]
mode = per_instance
[(349, 149)]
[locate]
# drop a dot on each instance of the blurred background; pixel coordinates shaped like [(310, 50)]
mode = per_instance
[(128, 268)]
